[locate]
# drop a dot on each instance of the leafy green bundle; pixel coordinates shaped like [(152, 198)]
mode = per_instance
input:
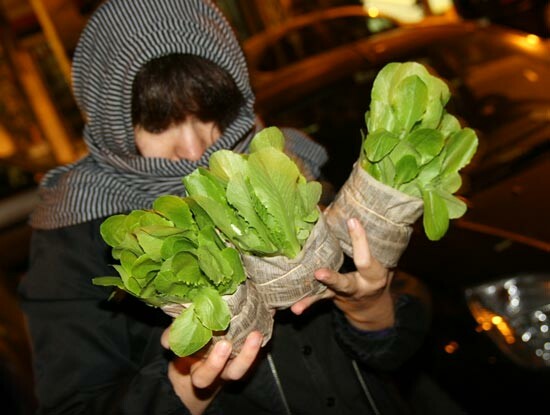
[(414, 145), (260, 201), (172, 254)]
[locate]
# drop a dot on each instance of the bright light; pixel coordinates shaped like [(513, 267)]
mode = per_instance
[(373, 12), (496, 320), (532, 39), (451, 347), (531, 75)]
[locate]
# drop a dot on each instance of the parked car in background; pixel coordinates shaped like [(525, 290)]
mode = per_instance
[(500, 84)]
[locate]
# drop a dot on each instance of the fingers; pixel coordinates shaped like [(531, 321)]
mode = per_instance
[(205, 372), (341, 284), (165, 338), (360, 244), (237, 367), (367, 266), (300, 306)]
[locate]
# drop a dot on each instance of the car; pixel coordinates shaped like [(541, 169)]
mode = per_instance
[(500, 83)]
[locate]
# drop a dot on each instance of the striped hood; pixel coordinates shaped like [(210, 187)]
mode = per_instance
[(119, 38)]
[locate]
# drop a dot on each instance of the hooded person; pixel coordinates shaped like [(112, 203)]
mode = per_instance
[(97, 356), (119, 39)]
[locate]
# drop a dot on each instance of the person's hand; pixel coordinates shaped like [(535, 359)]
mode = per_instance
[(363, 295), (196, 379)]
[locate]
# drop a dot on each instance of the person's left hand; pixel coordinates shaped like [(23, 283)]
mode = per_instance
[(197, 379), (363, 295)]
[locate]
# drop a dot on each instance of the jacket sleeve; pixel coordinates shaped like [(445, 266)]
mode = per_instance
[(387, 349), (91, 355)]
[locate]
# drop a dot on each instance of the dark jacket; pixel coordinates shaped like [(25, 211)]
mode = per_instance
[(99, 356)]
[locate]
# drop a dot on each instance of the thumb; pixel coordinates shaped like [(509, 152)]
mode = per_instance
[(165, 338)]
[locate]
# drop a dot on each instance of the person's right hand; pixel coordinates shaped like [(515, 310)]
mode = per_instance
[(196, 379)]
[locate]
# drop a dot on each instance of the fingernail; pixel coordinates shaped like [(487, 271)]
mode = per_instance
[(320, 275), (352, 223)]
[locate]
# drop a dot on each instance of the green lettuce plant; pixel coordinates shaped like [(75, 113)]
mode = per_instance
[(172, 254), (414, 145), (260, 201)]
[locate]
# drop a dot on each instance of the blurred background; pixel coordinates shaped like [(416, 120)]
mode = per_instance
[(312, 64)]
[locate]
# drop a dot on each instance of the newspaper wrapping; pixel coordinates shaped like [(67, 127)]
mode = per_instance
[(386, 214)]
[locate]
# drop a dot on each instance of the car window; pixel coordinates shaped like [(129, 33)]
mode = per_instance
[(314, 39)]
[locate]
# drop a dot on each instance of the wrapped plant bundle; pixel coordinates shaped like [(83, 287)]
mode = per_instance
[(248, 312), (172, 257), (409, 164), (267, 210)]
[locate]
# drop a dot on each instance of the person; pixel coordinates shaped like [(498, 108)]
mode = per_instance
[(163, 84)]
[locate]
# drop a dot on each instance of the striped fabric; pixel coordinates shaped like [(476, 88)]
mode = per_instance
[(120, 37)]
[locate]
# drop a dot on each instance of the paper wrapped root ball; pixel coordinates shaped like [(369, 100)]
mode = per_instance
[(386, 214), (248, 313), (282, 281)]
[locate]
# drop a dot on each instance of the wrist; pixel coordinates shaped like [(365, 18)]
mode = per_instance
[(194, 399), (372, 317)]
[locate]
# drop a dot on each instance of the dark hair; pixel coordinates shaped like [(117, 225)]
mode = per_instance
[(168, 89)]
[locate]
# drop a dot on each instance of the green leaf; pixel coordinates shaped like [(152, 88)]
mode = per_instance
[(227, 164), (176, 210), (124, 274), (270, 137), (201, 217), (108, 282), (409, 100), (402, 149), (459, 150), (309, 194), (450, 182), (434, 111), (411, 188), (381, 117), (143, 266), (151, 245), (406, 169), (128, 259), (211, 309), (130, 283), (379, 144), (133, 220), (383, 82), (130, 243), (207, 191), (187, 334), (274, 177), (112, 230), (449, 125), (436, 216), (186, 269), (152, 218), (455, 206), (164, 280), (175, 244), (387, 171), (178, 292), (430, 171), (428, 143), (240, 196), (238, 276), (213, 264)]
